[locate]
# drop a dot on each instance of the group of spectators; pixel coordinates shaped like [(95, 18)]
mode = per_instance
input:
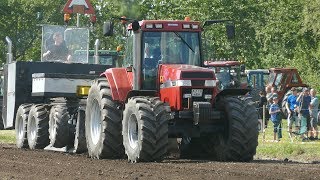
[(302, 111)]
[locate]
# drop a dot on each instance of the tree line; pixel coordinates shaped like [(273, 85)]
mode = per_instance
[(277, 33)]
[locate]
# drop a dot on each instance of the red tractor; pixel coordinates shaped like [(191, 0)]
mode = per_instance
[(283, 79), (162, 92), (228, 73)]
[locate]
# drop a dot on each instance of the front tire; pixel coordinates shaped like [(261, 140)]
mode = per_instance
[(21, 125), (103, 122), (38, 125), (145, 129), (240, 141)]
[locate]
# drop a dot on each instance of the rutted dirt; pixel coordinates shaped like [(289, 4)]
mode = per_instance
[(27, 164)]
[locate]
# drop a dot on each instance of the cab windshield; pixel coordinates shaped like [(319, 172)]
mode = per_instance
[(171, 47), (167, 48)]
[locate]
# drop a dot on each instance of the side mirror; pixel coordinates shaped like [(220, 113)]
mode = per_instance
[(108, 28), (230, 31), (135, 25)]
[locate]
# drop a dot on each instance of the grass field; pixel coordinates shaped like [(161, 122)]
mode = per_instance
[(296, 150)]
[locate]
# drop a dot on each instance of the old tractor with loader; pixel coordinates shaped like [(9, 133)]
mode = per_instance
[(161, 92)]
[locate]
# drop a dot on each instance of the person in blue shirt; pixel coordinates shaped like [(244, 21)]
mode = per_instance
[(292, 111), (304, 101), (275, 117)]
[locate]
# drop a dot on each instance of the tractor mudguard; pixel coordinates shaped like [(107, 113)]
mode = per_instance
[(120, 83)]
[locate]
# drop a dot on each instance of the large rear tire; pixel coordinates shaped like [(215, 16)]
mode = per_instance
[(103, 122), (80, 144), (58, 126), (240, 141), (145, 129), (38, 125), (21, 125)]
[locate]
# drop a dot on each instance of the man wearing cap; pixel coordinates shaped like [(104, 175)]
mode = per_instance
[(291, 109), (304, 101)]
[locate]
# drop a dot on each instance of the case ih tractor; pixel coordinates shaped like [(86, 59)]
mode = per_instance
[(162, 92), (45, 100), (257, 80), (228, 73), (283, 79)]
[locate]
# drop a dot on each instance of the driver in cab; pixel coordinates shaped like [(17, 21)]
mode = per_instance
[(58, 50)]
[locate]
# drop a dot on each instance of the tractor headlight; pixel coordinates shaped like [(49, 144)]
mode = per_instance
[(183, 83), (207, 96), (210, 83)]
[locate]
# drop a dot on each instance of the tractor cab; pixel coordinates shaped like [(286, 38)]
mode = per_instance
[(228, 73), (283, 79), (60, 44), (257, 79), (159, 43)]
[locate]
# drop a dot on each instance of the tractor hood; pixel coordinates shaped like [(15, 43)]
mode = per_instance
[(178, 71)]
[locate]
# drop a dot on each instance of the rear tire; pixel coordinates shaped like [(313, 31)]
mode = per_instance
[(38, 125), (145, 129), (103, 122), (240, 141), (21, 123), (58, 126), (80, 145)]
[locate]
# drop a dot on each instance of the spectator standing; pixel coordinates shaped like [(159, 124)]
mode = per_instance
[(262, 101), (291, 110), (304, 100), (268, 96), (314, 106), (275, 117)]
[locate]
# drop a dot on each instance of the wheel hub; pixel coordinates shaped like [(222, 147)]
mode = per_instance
[(95, 122), (133, 131), (33, 128)]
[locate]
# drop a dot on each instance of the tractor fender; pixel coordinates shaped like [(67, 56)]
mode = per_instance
[(120, 82)]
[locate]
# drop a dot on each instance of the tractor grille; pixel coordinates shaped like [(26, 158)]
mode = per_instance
[(197, 82), (194, 99), (190, 75)]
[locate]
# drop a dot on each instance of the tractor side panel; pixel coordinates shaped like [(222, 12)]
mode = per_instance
[(120, 83)]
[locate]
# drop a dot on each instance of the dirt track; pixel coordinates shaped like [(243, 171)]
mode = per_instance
[(26, 164)]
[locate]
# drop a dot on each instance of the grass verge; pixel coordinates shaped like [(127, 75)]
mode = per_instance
[(7, 136)]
